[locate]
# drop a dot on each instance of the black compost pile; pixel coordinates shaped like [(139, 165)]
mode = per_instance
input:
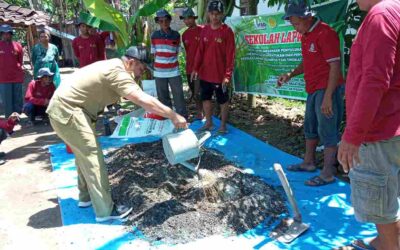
[(171, 204)]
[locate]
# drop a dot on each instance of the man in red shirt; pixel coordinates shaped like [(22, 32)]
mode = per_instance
[(214, 63), (6, 128), (38, 95), (324, 84), (190, 40), (11, 73), (370, 148), (102, 38), (87, 48)]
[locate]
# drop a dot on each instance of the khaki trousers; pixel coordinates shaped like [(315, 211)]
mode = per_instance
[(93, 184)]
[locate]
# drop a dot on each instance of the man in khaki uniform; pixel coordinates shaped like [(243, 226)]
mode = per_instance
[(74, 109)]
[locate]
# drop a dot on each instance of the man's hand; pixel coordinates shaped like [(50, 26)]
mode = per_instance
[(194, 76), (348, 155), (326, 107), (179, 122), (226, 82), (284, 78), (14, 117)]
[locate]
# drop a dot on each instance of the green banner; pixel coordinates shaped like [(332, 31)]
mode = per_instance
[(267, 46)]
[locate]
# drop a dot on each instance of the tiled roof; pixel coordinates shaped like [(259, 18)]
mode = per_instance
[(17, 15)]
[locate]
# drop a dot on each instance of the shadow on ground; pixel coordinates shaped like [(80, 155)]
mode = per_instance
[(48, 218)]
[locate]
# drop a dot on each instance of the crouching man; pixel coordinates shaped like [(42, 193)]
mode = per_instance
[(38, 95)]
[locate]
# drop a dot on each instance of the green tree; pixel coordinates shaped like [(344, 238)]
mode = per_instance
[(22, 3)]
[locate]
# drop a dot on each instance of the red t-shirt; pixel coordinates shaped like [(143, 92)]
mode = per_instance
[(102, 42), (11, 56), (319, 47), (215, 56), (37, 93), (373, 81), (88, 50), (7, 125), (190, 40)]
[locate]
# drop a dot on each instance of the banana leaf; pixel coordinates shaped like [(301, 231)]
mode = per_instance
[(147, 10), (108, 14), (96, 22)]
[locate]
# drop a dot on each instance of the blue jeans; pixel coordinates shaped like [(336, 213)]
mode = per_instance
[(11, 98), (317, 125), (3, 135), (32, 111)]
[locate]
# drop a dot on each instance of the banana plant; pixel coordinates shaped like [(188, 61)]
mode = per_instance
[(116, 20)]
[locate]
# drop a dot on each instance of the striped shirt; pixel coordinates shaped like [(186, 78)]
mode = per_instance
[(165, 47)]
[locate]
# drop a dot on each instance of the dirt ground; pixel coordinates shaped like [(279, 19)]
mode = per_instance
[(29, 211)]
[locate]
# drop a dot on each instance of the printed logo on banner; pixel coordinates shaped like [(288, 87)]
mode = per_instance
[(272, 22), (259, 25)]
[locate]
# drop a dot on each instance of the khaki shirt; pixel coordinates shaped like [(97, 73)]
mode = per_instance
[(90, 89)]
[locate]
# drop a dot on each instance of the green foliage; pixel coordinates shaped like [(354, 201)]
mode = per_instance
[(182, 65), (108, 14), (148, 9), (22, 3), (353, 19), (287, 103)]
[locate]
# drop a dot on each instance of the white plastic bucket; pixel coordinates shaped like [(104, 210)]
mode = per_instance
[(182, 146)]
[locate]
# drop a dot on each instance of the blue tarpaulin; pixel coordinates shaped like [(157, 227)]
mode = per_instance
[(326, 208)]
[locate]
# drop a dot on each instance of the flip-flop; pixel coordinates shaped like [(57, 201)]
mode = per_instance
[(222, 132), (317, 181), (203, 129), (298, 168), (361, 245)]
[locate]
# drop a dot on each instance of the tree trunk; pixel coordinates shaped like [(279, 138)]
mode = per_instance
[(36, 4), (248, 8)]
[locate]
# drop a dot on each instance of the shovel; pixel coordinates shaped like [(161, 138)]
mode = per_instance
[(290, 228)]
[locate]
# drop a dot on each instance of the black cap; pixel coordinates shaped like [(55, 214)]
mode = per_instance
[(188, 12), (136, 52), (215, 6), (297, 8)]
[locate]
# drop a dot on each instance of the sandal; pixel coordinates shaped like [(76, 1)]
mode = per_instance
[(299, 168), (221, 132), (317, 181), (204, 128), (361, 245)]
